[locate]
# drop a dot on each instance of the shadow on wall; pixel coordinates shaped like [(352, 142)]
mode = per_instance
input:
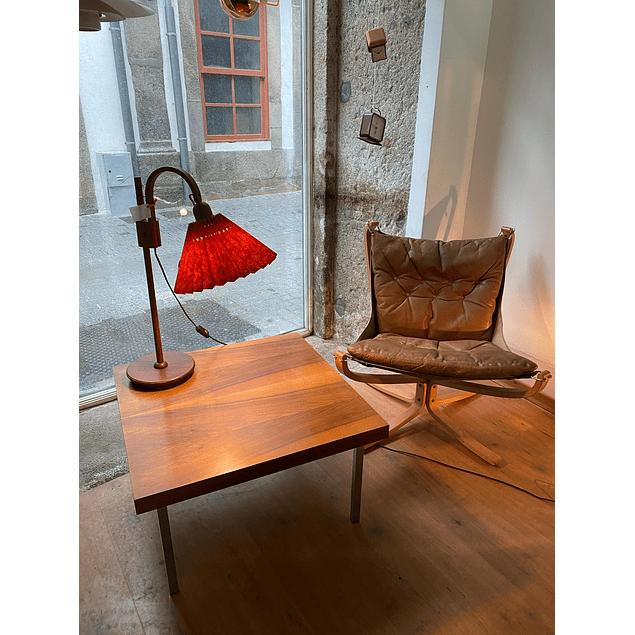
[(433, 220), (544, 309), (493, 113)]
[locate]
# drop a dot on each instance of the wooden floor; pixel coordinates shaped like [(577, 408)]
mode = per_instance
[(438, 550)]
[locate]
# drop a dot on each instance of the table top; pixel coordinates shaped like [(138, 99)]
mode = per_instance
[(250, 409)]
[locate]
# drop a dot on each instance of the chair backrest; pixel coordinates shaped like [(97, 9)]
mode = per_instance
[(434, 289)]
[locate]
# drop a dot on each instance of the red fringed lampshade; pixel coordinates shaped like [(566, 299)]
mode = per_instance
[(217, 251)]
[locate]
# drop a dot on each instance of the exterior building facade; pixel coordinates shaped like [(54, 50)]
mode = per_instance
[(191, 88)]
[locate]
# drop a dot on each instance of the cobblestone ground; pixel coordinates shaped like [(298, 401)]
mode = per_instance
[(114, 316)]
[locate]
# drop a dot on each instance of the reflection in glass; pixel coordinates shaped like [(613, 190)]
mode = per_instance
[(247, 27), (212, 16), (216, 51), (113, 297), (247, 89), (218, 89), (248, 121), (247, 54), (220, 120)]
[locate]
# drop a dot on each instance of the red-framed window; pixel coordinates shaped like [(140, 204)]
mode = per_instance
[(232, 60)]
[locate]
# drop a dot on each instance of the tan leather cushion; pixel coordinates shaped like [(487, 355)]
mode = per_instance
[(464, 359), (437, 290)]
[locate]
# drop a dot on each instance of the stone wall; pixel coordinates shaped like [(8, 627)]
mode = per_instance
[(219, 174), (355, 182)]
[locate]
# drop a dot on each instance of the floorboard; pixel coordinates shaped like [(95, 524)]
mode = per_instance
[(438, 550)]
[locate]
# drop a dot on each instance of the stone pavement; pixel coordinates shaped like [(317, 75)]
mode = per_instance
[(114, 315)]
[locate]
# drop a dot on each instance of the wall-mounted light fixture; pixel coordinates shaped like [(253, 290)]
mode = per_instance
[(372, 128), (244, 9), (376, 41)]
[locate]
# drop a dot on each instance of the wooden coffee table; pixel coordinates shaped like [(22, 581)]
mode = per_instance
[(250, 409)]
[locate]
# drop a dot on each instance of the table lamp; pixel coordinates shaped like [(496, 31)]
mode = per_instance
[(216, 251)]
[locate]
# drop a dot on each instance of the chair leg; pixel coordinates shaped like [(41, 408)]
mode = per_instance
[(426, 397), (462, 437), (418, 404), (450, 397)]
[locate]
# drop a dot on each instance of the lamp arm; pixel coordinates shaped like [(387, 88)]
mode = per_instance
[(196, 192), (149, 237), (202, 210)]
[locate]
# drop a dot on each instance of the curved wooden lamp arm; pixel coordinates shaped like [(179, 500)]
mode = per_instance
[(201, 209)]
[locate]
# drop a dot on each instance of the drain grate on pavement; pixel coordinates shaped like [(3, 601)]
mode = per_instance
[(121, 341)]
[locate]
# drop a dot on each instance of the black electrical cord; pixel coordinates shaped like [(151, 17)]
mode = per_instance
[(199, 329), (455, 467)]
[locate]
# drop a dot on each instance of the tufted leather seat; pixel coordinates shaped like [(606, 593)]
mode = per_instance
[(435, 305), (463, 359)]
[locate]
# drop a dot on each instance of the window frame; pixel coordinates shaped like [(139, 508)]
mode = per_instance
[(233, 72)]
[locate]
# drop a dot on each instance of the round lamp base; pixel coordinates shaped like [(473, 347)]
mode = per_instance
[(143, 374)]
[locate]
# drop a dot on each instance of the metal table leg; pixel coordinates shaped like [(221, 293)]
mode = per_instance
[(168, 551), (356, 487)]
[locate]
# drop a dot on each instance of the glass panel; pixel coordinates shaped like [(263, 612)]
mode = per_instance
[(248, 27), (247, 54), (218, 89), (114, 313), (220, 121), (212, 16), (248, 121), (247, 89), (216, 51)]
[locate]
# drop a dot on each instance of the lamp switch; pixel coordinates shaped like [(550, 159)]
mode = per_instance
[(148, 234)]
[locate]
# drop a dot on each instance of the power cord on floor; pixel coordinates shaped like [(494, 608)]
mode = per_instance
[(461, 469), (199, 329)]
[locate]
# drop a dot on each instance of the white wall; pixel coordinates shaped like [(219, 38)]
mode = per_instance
[(512, 174), (447, 115), (428, 79), (484, 149)]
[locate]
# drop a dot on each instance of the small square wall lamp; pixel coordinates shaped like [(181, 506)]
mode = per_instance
[(372, 128), (376, 41), (216, 251)]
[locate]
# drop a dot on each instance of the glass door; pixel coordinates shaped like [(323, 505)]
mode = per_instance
[(130, 125)]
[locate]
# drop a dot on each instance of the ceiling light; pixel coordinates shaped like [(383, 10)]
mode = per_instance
[(93, 12)]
